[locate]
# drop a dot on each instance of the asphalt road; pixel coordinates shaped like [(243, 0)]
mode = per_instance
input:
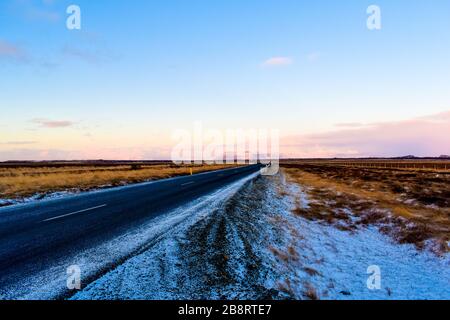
[(34, 235)]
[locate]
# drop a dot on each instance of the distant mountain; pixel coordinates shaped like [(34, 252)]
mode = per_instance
[(407, 157), (411, 157)]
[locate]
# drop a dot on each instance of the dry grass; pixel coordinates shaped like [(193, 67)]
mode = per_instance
[(286, 287), (26, 181), (433, 165), (311, 271), (310, 292), (413, 207), (280, 254)]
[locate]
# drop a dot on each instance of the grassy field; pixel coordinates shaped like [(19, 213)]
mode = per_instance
[(18, 180), (411, 164), (410, 204)]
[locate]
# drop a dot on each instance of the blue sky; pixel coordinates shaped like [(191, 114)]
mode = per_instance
[(139, 69)]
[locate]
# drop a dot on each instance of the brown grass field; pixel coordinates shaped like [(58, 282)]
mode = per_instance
[(411, 204), (408, 200), (18, 180)]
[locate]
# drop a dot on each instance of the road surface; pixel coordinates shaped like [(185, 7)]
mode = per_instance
[(33, 236)]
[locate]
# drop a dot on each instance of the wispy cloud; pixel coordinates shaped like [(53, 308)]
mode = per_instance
[(84, 55), (350, 125), (52, 124), (313, 56), (91, 51), (11, 51), (424, 136), (17, 143), (41, 11), (125, 153), (278, 62), (36, 154)]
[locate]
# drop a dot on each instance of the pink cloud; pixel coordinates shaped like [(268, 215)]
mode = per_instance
[(425, 136), (53, 124), (118, 153), (17, 143), (11, 51), (277, 61)]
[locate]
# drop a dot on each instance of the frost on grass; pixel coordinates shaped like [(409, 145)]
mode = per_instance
[(411, 207), (330, 260), (253, 244)]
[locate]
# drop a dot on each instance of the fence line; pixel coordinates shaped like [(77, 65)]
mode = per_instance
[(394, 165)]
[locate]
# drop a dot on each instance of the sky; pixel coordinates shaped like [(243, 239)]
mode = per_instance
[(139, 70)]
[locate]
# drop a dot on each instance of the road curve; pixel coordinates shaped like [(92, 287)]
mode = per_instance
[(34, 235)]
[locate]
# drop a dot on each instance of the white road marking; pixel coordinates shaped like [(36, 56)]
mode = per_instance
[(72, 213), (187, 183)]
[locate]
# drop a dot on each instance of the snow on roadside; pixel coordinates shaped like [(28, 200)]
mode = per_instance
[(51, 283), (216, 256), (36, 197), (251, 246), (4, 202), (328, 263)]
